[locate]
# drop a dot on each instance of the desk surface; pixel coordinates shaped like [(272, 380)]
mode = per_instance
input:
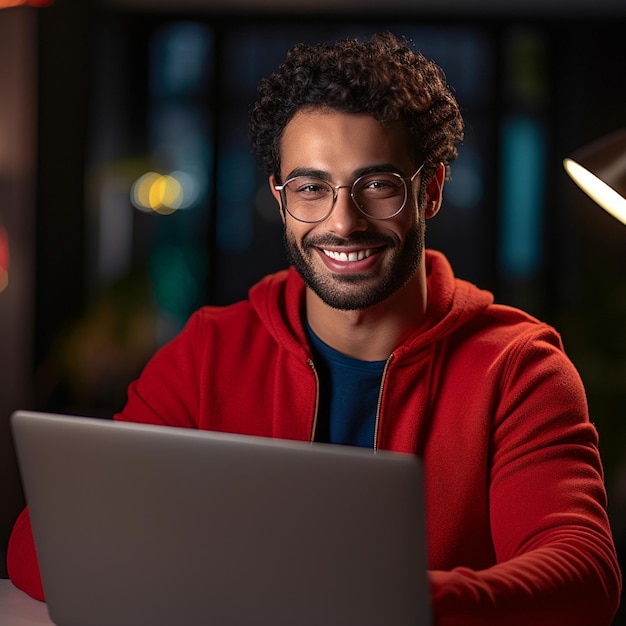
[(19, 609)]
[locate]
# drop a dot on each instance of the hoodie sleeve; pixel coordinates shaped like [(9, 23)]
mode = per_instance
[(555, 558), (22, 564), (167, 393)]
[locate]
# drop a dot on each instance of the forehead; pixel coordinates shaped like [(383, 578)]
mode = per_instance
[(342, 143)]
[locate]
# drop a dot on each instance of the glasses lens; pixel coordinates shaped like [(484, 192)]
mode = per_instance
[(308, 199), (380, 195)]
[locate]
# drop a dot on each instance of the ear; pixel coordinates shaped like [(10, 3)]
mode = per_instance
[(434, 192), (277, 196)]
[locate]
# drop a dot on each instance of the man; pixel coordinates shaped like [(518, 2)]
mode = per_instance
[(372, 341)]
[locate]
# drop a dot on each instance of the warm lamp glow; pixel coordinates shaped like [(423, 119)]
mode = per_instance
[(600, 171)]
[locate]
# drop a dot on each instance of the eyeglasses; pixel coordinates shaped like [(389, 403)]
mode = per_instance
[(380, 196)]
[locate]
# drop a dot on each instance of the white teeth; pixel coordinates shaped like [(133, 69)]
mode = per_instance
[(350, 257)]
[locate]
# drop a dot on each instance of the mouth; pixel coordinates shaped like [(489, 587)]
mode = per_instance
[(348, 257), (352, 260)]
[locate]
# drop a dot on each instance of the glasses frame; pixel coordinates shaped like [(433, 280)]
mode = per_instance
[(406, 180)]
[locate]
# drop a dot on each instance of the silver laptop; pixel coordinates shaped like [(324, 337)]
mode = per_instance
[(143, 525)]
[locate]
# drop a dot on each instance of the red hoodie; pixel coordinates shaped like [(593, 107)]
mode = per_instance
[(516, 521)]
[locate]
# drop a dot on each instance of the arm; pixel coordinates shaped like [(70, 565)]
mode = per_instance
[(22, 564), (555, 558), (168, 393)]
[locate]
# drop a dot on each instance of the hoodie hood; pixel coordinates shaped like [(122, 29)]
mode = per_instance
[(451, 303), (279, 300)]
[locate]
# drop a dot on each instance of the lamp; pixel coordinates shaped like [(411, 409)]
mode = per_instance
[(599, 169)]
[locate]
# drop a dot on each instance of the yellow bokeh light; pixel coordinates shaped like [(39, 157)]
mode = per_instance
[(161, 193), (166, 195), (140, 192)]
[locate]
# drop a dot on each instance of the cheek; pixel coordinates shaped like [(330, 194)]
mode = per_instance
[(403, 224), (296, 231)]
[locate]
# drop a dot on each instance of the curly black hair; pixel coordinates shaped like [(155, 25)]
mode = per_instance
[(381, 76)]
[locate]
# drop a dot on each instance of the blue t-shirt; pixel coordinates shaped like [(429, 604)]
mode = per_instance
[(349, 390)]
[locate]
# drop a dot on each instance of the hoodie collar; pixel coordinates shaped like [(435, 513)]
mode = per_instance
[(451, 303)]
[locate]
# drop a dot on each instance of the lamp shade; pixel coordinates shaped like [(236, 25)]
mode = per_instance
[(599, 169)]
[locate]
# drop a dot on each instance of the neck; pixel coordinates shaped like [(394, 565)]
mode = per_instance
[(370, 334)]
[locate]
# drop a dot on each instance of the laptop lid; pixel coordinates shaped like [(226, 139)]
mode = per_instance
[(151, 525)]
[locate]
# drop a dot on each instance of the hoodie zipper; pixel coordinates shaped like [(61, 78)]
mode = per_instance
[(383, 378), (378, 404), (317, 399)]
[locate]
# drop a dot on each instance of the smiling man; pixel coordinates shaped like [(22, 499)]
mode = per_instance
[(352, 227), (370, 340)]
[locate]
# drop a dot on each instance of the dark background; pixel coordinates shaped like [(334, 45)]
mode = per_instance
[(106, 91)]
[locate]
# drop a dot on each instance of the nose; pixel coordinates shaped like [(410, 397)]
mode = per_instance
[(345, 218)]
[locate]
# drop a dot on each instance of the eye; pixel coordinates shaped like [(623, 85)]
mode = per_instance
[(380, 186), (308, 188)]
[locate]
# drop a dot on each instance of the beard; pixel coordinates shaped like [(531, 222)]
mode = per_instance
[(357, 291)]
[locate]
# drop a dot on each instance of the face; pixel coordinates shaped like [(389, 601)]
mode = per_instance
[(349, 260)]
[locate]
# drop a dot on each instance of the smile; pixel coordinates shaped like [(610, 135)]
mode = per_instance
[(349, 257)]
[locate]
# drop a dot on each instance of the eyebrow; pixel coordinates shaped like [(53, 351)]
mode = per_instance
[(370, 169)]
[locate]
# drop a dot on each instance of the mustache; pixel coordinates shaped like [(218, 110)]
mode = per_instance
[(364, 239)]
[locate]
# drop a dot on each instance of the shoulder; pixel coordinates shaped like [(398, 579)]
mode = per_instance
[(229, 314), (514, 350), (214, 325), (502, 325)]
